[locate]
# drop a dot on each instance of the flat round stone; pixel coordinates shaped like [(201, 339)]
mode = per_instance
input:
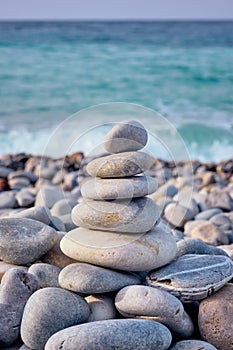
[(153, 303), (138, 215), (126, 136), (113, 334), (23, 241), (48, 311), (132, 252), (120, 165), (193, 276), (91, 279), (131, 187)]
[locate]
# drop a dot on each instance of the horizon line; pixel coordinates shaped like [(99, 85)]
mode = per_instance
[(116, 19)]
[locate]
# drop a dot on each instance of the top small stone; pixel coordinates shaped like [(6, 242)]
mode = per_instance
[(125, 137)]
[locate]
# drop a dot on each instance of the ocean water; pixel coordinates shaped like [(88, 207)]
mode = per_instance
[(51, 70)]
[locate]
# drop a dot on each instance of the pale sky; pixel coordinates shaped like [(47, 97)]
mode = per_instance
[(116, 9)]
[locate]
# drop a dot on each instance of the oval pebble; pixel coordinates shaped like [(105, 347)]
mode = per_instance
[(15, 289), (132, 252), (143, 301), (91, 279), (208, 214), (23, 241), (193, 276), (120, 165), (112, 334), (192, 345), (127, 136), (132, 216), (131, 187), (48, 311), (215, 318)]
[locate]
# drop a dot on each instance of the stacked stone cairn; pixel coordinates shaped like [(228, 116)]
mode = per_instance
[(123, 279)]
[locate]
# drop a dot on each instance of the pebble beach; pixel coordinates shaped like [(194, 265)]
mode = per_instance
[(120, 251)]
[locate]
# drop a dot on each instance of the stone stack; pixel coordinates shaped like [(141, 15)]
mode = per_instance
[(124, 282), (118, 223)]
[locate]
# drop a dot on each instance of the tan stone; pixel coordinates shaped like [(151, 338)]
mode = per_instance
[(215, 318), (210, 234)]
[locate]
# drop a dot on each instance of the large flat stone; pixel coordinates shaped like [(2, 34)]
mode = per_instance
[(193, 276), (132, 252), (138, 215)]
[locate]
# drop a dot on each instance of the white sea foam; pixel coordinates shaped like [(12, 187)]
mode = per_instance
[(34, 142)]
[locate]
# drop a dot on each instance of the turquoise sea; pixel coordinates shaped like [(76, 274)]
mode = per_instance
[(184, 70)]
